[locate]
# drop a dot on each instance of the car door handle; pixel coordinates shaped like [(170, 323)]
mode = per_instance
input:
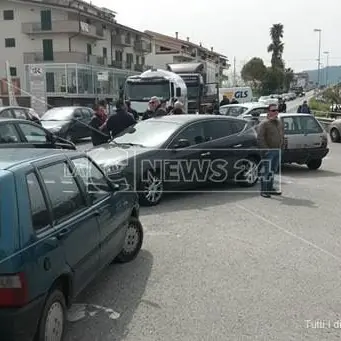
[(237, 145), (205, 154), (63, 233)]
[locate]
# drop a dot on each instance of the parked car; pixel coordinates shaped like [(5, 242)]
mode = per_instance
[(62, 222), (335, 130), (241, 110), (267, 100), (146, 153), (306, 142), (20, 113), (71, 123), (16, 133)]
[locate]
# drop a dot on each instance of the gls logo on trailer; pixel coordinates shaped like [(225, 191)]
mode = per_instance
[(241, 94)]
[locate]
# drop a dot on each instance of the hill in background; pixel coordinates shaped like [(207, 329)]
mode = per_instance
[(334, 75)]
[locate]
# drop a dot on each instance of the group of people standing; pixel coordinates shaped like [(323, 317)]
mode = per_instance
[(105, 127)]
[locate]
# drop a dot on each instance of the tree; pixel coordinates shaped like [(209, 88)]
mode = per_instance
[(254, 71), (273, 80), (288, 78), (276, 46)]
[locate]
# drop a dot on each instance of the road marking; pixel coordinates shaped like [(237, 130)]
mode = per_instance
[(79, 311), (291, 234)]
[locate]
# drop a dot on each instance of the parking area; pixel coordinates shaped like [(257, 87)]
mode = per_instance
[(228, 266)]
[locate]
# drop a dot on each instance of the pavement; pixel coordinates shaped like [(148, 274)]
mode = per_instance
[(228, 265)]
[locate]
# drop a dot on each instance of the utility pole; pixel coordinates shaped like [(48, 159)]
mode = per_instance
[(318, 30), (234, 71), (327, 67)]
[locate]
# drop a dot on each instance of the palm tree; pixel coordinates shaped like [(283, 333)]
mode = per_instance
[(276, 46)]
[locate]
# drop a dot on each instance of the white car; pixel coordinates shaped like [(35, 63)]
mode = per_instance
[(267, 100), (244, 109)]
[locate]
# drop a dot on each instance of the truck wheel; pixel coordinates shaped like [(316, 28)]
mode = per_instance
[(314, 164), (53, 318)]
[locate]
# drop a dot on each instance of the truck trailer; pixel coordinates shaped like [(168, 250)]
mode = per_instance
[(202, 83)]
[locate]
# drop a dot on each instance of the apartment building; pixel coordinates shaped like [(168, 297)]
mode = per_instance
[(67, 51), (167, 50)]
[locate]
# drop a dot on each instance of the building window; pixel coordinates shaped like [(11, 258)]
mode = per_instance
[(130, 58), (89, 49), (118, 56), (9, 42), (143, 60), (9, 15), (138, 60), (46, 20), (13, 71), (48, 49), (105, 52)]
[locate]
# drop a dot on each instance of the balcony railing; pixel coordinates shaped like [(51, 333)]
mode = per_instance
[(120, 40), (117, 64), (142, 46), (128, 65), (139, 67), (64, 26), (62, 57)]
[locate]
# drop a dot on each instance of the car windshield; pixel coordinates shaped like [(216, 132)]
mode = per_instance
[(232, 110), (143, 91), (148, 133), (58, 114)]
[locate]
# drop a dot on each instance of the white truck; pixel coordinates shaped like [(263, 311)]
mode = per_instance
[(241, 94), (163, 84)]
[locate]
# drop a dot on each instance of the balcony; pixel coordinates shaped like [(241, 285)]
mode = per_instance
[(139, 68), (117, 64), (63, 57), (120, 40), (143, 46), (64, 26), (128, 65)]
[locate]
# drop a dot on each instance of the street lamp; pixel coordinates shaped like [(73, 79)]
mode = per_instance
[(327, 67), (318, 30)]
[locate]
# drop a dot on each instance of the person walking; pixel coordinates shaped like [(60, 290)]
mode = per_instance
[(304, 108), (120, 121), (178, 109), (155, 109), (99, 134), (131, 110), (270, 139), (282, 107), (224, 101)]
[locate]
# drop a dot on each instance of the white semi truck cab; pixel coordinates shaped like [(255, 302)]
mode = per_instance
[(163, 84)]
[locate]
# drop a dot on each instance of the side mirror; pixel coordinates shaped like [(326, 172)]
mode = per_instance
[(178, 92), (255, 114), (182, 143)]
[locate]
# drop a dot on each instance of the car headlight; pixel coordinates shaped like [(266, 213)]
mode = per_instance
[(114, 169)]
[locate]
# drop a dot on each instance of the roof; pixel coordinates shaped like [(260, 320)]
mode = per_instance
[(289, 114), (183, 119), (12, 107), (249, 105), (12, 119), (186, 67), (183, 42), (11, 157)]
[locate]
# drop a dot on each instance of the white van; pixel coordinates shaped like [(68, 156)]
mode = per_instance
[(241, 94)]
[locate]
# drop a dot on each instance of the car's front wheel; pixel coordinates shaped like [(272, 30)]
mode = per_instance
[(151, 190), (133, 241), (314, 164), (335, 135), (53, 319)]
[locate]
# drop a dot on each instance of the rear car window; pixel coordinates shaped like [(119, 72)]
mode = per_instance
[(301, 125), (8, 134), (39, 212)]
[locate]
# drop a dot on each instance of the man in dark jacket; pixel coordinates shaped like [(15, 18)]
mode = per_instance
[(225, 101), (270, 138), (132, 111), (155, 109), (119, 121), (234, 101), (282, 107), (304, 108)]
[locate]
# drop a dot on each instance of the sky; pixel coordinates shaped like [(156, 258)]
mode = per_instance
[(240, 29)]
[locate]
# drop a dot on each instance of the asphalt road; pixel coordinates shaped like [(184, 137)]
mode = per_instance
[(228, 266)]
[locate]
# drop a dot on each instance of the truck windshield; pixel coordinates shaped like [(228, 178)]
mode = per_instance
[(192, 92), (143, 91)]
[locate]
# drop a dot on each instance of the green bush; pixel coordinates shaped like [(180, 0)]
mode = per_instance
[(318, 106)]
